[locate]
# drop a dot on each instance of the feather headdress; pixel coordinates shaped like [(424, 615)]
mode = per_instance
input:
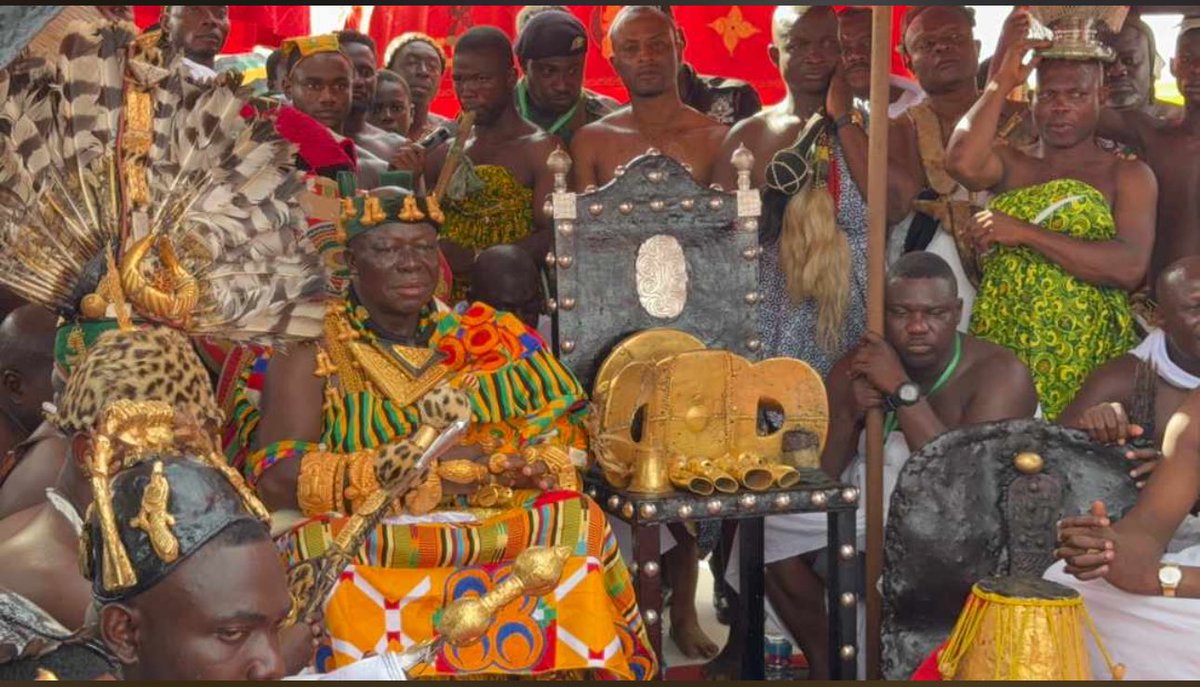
[(124, 182)]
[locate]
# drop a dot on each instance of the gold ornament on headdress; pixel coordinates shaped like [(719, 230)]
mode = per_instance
[(171, 303), (410, 212), (126, 433), (153, 517), (94, 129)]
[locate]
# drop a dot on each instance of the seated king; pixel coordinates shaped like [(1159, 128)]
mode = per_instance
[(329, 411)]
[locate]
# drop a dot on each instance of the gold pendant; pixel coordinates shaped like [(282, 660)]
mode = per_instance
[(403, 374)]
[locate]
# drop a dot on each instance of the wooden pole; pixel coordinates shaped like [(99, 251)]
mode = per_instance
[(877, 158)]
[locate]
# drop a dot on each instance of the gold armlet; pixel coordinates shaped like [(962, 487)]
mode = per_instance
[(361, 481), (319, 486)]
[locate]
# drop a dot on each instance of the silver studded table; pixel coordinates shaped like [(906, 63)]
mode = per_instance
[(816, 493)]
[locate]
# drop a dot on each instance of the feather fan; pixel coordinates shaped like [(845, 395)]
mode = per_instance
[(224, 189)]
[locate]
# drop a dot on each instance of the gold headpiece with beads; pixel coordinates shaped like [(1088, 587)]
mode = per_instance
[(131, 192)]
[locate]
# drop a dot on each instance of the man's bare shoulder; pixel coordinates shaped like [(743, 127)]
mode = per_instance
[(619, 120), (538, 146), (749, 128), (993, 361), (695, 119), (1133, 171)]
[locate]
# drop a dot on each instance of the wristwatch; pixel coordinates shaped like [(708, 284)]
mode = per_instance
[(1169, 577), (907, 394), (852, 117)]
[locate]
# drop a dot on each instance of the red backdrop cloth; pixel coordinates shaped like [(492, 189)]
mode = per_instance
[(249, 25), (723, 40)]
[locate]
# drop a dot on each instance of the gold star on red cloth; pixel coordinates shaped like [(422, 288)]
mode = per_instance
[(732, 28)]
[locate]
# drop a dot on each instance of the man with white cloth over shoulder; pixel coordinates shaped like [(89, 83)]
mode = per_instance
[(1145, 602), (929, 378), (1130, 399)]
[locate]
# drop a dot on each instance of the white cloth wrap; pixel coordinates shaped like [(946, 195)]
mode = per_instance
[(1151, 635)]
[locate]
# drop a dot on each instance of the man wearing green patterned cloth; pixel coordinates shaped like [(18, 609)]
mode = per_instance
[(1069, 233)]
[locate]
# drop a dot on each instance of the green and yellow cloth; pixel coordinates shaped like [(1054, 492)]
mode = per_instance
[(1061, 327)]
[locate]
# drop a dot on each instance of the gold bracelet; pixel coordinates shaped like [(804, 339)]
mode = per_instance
[(463, 472), (318, 487), (361, 481), (425, 497)]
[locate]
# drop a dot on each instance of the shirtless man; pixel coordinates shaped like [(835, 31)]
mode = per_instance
[(805, 48), (933, 379), (485, 75), (360, 48), (320, 84), (26, 363), (1130, 77), (26, 367), (1081, 257), (39, 546), (646, 55), (1132, 398), (1172, 149), (939, 46)]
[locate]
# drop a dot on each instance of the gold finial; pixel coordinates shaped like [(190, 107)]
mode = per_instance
[(1029, 463), (153, 517), (410, 212), (535, 572), (434, 208), (372, 211)]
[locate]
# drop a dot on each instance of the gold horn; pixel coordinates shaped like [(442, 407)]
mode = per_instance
[(748, 469), (174, 306)]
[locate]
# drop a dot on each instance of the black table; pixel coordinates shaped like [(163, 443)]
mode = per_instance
[(816, 493)]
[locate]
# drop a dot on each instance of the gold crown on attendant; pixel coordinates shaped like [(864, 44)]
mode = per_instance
[(1075, 30)]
